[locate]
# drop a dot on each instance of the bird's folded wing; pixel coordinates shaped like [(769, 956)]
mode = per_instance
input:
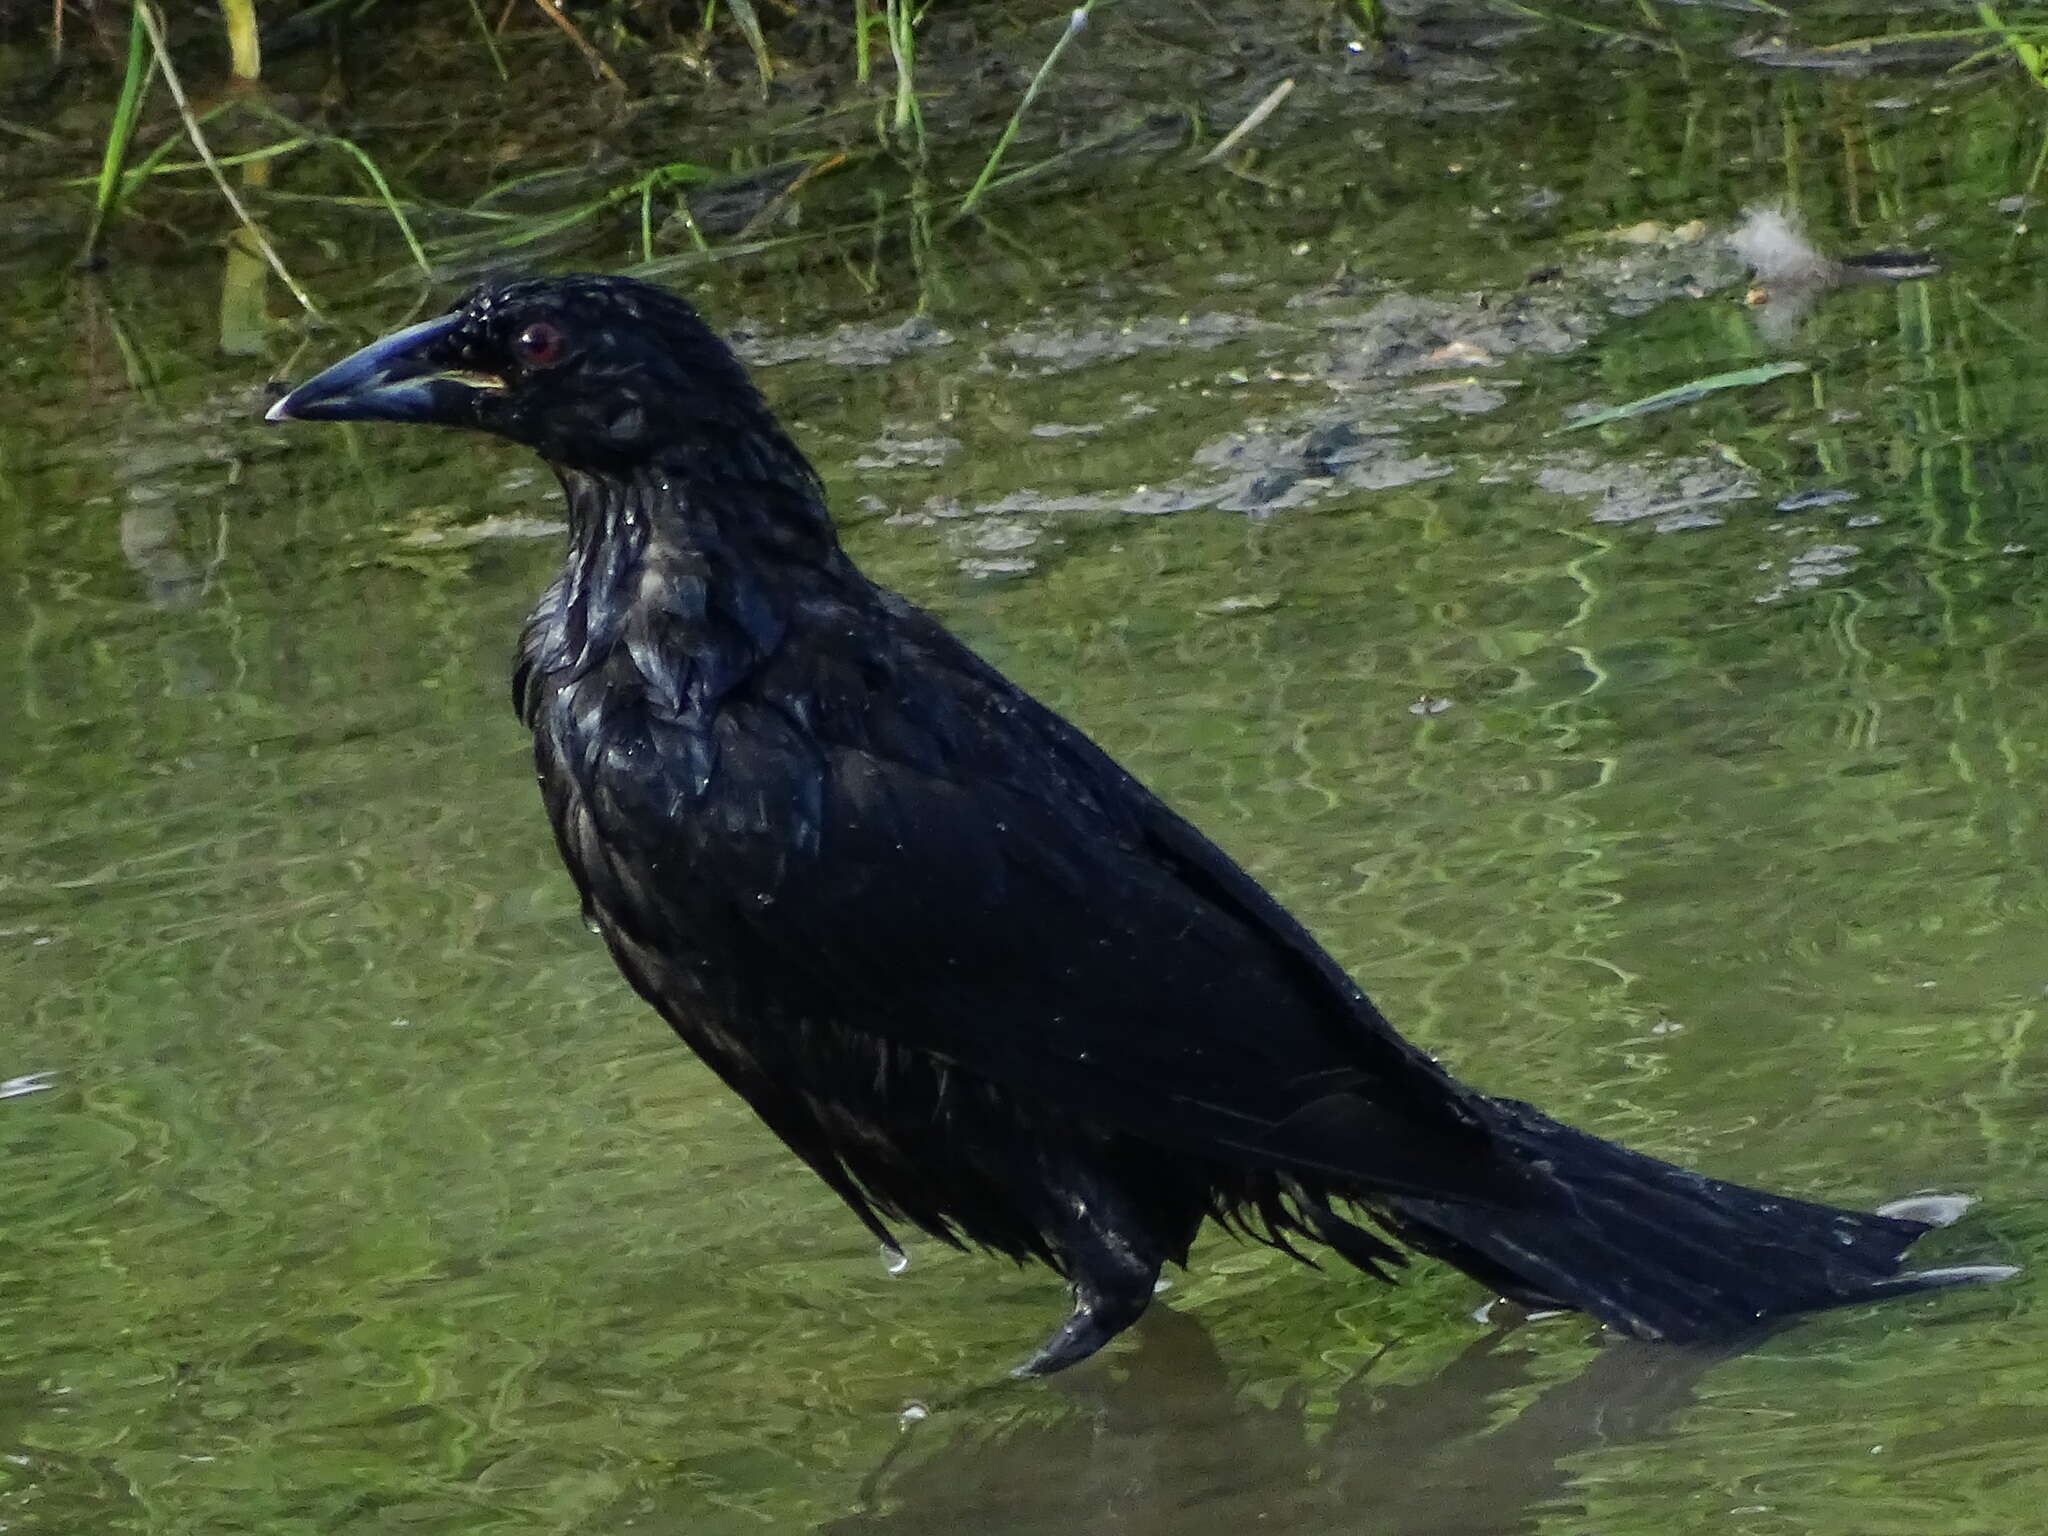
[(1022, 909)]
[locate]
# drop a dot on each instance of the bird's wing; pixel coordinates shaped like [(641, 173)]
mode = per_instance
[(915, 849)]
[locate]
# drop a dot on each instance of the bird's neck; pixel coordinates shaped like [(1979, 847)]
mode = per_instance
[(705, 569)]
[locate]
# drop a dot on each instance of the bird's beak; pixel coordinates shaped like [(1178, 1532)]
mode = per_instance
[(408, 376)]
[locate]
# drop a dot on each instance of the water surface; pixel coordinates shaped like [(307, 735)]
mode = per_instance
[(1682, 775)]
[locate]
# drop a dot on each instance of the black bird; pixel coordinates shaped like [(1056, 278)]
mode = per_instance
[(970, 970)]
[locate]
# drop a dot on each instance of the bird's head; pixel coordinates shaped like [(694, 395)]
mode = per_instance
[(600, 374)]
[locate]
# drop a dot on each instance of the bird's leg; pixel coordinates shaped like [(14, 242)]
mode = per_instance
[(1112, 1274)]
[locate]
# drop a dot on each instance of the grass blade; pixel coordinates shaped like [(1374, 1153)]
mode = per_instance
[(743, 14), (1685, 394), (1268, 105), (198, 137), (135, 79), (2022, 48), (599, 64), (1075, 23), (483, 27), (33, 135), (899, 23), (245, 46), (369, 167), (158, 162)]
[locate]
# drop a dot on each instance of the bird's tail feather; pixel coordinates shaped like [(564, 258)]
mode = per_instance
[(1660, 1252)]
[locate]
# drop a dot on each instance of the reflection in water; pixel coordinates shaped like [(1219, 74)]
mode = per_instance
[(1171, 1446), (150, 541)]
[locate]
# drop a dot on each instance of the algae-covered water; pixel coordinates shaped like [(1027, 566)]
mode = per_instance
[(1683, 774)]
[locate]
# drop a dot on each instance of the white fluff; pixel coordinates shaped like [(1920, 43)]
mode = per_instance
[(1770, 240)]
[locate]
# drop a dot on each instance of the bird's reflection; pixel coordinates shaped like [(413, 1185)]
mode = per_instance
[(1169, 1446)]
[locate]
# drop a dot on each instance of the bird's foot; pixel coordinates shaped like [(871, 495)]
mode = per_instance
[(1098, 1317)]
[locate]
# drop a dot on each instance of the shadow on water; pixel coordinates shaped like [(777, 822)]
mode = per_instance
[(1168, 1444)]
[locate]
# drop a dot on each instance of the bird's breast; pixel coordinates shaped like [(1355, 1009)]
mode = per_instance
[(668, 816)]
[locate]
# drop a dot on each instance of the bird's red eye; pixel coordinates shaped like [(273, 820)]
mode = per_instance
[(540, 345)]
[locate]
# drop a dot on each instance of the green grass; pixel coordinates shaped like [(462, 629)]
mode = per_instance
[(1075, 23), (110, 186), (1684, 394), (885, 69), (899, 25)]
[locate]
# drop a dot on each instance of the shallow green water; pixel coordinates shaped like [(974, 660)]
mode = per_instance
[(346, 1189)]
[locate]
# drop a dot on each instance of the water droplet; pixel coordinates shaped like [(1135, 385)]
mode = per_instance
[(914, 1412), (1935, 1210), (1964, 1274), (894, 1260)]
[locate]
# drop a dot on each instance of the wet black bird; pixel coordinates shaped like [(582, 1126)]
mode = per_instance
[(970, 970)]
